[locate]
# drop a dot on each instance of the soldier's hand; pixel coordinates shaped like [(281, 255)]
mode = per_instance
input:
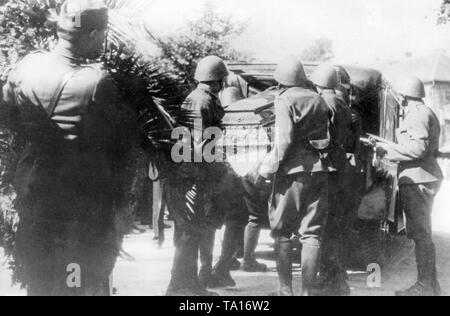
[(381, 151), (372, 141), (255, 178)]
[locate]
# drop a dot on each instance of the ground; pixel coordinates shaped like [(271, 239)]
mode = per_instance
[(149, 272)]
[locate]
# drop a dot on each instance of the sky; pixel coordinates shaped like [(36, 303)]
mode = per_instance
[(367, 32)]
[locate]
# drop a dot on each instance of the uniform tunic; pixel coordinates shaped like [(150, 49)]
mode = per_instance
[(71, 172), (420, 177), (419, 172), (340, 129), (299, 199)]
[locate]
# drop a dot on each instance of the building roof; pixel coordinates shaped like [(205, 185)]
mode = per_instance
[(434, 68)]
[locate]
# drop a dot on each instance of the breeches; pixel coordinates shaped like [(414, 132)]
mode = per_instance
[(299, 205)]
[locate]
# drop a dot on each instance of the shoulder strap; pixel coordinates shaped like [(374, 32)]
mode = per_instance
[(282, 91), (58, 91)]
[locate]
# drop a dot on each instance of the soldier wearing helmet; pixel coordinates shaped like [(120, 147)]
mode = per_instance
[(70, 175), (420, 178), (344, 88), (333, 271), (300, 173), (353, 187), (196, 217)]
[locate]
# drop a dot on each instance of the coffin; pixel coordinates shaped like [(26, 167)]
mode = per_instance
[(248, 123)]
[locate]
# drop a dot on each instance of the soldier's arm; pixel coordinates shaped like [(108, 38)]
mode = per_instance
[(357, 131), (124, 129), (284, 131), (212, 112), (413, 142)]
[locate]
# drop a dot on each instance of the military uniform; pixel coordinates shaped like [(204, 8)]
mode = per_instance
[(299, 199), (333, 266), (71, 173), (190, 200), (419, 177), (354, 187)]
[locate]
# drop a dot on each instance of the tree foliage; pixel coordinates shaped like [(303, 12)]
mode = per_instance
[(444, 12), (321, 50), (25, 25), (211, 34)]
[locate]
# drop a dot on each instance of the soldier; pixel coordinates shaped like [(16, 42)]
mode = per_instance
[(237, 216), (256, 220), (333, 270), (354, 185), (344, 88), (70, 175), (420, 178), (192, 198), (299, 200)]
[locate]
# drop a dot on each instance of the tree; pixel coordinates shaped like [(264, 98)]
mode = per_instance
[(444, 12), (321, 50), (25, 26), (211, 34)]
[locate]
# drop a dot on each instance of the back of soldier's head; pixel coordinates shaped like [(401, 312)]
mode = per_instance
[(210, 69), (325, 76), (291, 73), (80, 17)]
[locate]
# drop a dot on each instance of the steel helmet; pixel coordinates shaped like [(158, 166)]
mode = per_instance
[(344, 78), (342, 92), (211, 68), (325, 76), (83, 15), (230, 95), (409, 86), (290, 73)]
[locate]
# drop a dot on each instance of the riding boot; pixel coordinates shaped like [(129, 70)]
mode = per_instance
[(251, 242), (283, 249), (310, 267)]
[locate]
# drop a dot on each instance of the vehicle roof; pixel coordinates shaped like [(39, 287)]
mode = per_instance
[(263, 74)]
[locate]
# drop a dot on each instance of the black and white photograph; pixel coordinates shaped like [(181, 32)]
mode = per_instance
[(224, 152)]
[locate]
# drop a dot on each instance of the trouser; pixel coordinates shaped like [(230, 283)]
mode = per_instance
[(417, 202), (192, 233), (206, 248), (184, 271), (144, 198), (299, 205), (233, 235), (333, 267), (188, 246), (251, 239), (351, 201), (61, 258), (256, 203), (159, 206)]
